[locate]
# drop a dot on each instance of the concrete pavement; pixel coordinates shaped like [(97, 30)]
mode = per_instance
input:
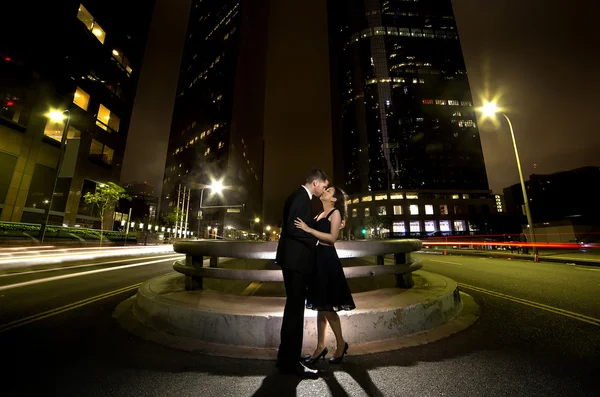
[(513, 349)]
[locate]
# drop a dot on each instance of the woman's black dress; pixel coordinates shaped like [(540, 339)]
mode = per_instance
[(328, 289)]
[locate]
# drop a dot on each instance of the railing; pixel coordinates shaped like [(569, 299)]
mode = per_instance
[(196, 251)]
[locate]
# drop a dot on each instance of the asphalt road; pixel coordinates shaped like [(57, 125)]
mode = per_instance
[(538, 335)]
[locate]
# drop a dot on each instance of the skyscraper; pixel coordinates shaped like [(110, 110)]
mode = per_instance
[(403, 111), (80, 56), (217, 128)]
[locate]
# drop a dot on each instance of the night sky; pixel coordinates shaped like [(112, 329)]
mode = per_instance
[(538, 53)]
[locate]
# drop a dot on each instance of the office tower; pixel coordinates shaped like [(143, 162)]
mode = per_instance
[(78, 62)]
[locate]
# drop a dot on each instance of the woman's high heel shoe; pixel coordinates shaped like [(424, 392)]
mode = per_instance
[(311, 360), (337, 360)]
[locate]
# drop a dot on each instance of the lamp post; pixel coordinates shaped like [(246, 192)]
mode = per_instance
[(56, 116), (216, 187), (490, 109), (252, 223)]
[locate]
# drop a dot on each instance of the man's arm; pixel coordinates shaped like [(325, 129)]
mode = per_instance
[(298, 210)]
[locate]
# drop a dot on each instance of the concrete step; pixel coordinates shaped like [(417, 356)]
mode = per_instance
[(249, 326)]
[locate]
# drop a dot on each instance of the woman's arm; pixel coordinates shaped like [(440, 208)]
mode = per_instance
[(331, 237)]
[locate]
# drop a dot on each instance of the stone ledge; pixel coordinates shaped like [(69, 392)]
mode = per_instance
[(124, 315), (248, 326)]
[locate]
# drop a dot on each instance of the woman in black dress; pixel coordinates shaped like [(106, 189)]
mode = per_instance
[(328, 290)]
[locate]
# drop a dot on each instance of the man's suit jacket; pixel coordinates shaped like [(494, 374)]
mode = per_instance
[(296, 248)]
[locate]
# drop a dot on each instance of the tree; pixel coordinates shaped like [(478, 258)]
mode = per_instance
[(105, 197), (174, 217)]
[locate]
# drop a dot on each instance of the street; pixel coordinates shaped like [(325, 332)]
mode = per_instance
[(537, 336)]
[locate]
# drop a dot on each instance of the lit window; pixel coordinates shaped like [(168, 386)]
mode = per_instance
[(457, 209), (366, 198), (396, 196), (466, 103), (428, 209), (455, 197), (107, 120), (202, 135), (367, 212), (207, 151), (107, 155), (414, 209), (220, 145), (465, 196), (443, 209), (457, 114), (440, 101), (379, 197), (444, 226), (81, 98), (54, 130), (399, 227), (415, 227), (453, 102), (88, 20), (397, 210), (354, 212), (381, 211), (355, 201), (427, 101), (430, 226), (459, 226), (412, 196), (122, 61), (96, 148)]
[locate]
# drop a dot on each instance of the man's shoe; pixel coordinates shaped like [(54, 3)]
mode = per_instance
[(300, 370)]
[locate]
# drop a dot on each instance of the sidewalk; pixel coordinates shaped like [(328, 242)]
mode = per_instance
[(590, 258)]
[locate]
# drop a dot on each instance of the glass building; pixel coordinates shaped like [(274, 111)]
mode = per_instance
[(216, 132), (403, 113)]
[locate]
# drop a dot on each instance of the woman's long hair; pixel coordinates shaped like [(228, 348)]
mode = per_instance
[(341, 203)]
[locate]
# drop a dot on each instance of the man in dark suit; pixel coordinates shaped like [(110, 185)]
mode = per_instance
[(295, 255)]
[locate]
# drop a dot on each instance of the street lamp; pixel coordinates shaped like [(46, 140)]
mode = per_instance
[(56, 116), (256, 220), (489, 110), (216, 187)]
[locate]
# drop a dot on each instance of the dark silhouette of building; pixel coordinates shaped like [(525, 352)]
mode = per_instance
[(217, 128), (403, 115), (563, 196), (83, 57)]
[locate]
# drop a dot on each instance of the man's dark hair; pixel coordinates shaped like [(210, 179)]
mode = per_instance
[(316, 174)]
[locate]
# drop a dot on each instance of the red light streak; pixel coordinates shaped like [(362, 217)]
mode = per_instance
[(512, 244)]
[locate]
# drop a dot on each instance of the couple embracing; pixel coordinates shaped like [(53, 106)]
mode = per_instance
[(312, 273)]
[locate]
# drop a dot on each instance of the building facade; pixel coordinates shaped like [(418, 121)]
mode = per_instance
[(85, 68), (422, 213), (217, 127), (403, 113)]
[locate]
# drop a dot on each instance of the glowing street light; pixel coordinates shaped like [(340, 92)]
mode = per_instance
[(489, 110), (256, 220), (268, 228), (56, 116)]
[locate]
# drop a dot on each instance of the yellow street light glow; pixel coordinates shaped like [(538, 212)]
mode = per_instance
[(268, 228), (56, 115), (489, 109), (256, 220), (216, 186), (115, 52)]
